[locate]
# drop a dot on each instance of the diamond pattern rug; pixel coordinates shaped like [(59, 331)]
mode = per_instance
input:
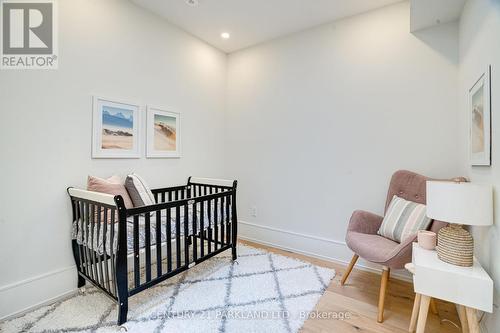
[(260, 292)]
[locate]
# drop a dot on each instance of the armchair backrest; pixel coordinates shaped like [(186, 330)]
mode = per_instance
[(411, 186)]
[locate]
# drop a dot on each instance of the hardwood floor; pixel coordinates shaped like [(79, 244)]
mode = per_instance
[(358, 299)]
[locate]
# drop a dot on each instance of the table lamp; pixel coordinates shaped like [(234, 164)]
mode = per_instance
[(458, 203)]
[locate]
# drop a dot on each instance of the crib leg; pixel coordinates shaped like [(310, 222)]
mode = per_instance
[(81, 281), (122, 311), (122, 288), (235, 256)]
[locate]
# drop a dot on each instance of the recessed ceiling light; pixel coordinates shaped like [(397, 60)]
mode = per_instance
[(225, 35), (192, 3)]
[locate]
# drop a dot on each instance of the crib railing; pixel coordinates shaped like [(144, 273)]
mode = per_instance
[(198, 221), (170, 193)]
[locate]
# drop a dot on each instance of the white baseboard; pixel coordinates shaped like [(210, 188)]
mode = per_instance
[(313, 246), (25, 295)]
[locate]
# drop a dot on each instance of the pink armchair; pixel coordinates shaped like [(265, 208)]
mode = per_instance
[(363, 240)]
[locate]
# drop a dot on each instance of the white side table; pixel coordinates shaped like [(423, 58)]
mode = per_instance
[(470, 288)]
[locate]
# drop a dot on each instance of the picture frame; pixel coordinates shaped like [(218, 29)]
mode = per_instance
[(479, 108), (163, 133), (115, 128)]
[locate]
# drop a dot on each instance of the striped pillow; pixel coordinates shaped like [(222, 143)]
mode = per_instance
[(403, 219), (139, 191)]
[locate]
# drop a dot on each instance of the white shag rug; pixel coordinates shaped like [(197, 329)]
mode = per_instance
[(260, 292)]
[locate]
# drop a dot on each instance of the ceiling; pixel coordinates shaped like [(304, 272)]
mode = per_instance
[(251, 22), (428, 13)]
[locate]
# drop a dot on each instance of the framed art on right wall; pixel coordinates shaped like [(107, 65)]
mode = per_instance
[(479, 109)]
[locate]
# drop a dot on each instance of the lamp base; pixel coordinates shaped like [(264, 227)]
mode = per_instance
[(455, 245)]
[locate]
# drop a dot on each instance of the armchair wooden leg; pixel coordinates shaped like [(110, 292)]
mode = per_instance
[(349, 269), (381, 297), (414, 313)]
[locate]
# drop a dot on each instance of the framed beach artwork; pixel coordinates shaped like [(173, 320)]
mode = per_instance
[(163, 133), (115, 129), (480, 120)]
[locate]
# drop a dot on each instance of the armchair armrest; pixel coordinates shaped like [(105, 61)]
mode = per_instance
[(401, 254), (364, 222)]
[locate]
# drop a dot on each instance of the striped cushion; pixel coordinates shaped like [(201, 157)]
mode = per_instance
[(403, 219)]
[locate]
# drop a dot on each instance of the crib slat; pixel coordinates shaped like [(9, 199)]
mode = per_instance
[(216, 222), (137, 277), (228, 222), (105, 255), (209, 229), (228, 225), (86, 213), (210, 221), (169, 241), (100, 279), (94, 259), (163, 197), (195, 241), (90, 237), (94, 253), (178, 235), (76, 208), (112, 251), (84, 231), (158, 243), (82, 247), (202, 228), (186, 234), (79, 223), (222, 229), (148, 245)]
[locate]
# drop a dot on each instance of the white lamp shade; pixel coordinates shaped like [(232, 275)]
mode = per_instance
[(462, 203)]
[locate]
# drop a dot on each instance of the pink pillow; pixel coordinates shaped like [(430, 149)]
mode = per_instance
[(112, 185)]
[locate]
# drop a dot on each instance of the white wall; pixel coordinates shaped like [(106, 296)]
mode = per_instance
[(319, 120), (479, 47), (111, 48)]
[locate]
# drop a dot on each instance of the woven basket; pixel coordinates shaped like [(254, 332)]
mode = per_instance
[(455, 245)]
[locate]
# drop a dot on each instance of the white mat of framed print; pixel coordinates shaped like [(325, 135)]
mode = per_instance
[(480, 120), (163, 133), (115, 131)]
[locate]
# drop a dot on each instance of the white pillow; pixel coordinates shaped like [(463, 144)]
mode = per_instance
[(139, 191)]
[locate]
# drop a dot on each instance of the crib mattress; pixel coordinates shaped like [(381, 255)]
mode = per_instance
[(96, 242)]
